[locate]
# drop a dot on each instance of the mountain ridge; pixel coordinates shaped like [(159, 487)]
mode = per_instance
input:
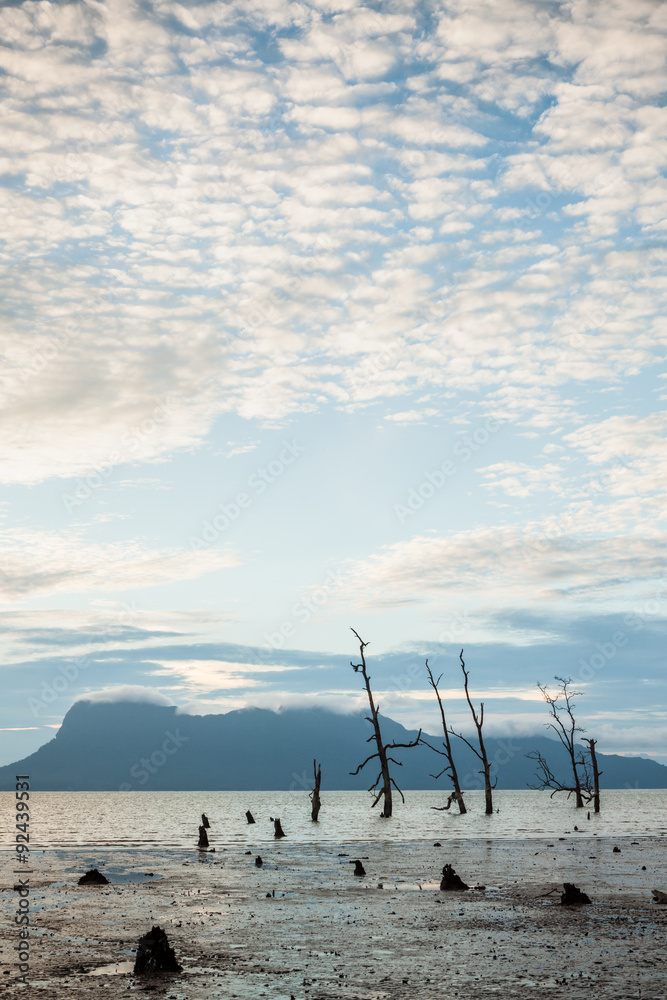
[(125, 745)]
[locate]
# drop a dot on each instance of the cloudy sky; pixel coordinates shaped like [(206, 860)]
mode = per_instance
[(321, 314)]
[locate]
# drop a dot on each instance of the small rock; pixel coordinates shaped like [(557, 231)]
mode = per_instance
[(359, 868), (258, 861), (617, 850)]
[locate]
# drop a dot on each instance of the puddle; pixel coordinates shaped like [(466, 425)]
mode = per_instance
[(117, 969), (118, 875)]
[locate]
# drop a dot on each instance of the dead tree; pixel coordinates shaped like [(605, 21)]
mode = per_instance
[(315, 794), (450, 767), (561, 709), (478, 719), (596, 774), (384, 778)]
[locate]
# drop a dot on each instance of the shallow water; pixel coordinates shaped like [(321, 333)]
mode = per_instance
[(171, 819)]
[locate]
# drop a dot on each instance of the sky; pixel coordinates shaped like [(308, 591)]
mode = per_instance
[(320, 315)]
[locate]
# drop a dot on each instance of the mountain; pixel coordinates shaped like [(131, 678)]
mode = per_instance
[(131, 745)]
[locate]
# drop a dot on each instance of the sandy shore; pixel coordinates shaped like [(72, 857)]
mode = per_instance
[(326, 935)]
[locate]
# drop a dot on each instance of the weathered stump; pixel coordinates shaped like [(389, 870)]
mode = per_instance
[(93, 877), (315, 794), (258, 861), (249, 816), (203, 837), (359, 869), (450, 880), (278, 831), (154, 954), (573, 896), (204, 821)]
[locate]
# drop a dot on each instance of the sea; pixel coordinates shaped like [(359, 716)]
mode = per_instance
[(170, 820)]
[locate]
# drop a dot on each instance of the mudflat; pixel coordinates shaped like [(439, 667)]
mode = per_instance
[(304, 926)]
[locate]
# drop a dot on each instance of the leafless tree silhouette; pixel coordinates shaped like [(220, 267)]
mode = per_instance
[(450, 766), (478, 719), (384, 778)]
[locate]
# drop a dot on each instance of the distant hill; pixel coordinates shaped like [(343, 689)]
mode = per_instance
[(130, 745)]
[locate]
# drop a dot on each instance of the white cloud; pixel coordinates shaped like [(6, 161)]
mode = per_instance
[(219, 240), (126, 692), (579, 558), (42, 562)]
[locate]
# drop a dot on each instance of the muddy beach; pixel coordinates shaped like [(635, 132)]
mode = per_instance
[(304, 926)]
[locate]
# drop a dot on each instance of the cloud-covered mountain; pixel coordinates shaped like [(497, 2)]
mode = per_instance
[(137, 745)]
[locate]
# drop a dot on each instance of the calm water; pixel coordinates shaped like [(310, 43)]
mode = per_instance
[(171, 819)]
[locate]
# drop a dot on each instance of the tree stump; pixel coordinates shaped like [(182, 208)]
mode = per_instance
[(203, 837), (359, 869), (315, 794), (154, 954), (204, 821), (258, 861), (278, 831), (451, 881), (249, 816), (93, 877), (573, 896)]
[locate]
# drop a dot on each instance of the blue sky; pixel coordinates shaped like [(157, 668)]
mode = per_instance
[(319, 315)]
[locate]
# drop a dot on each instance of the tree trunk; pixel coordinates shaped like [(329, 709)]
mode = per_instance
[(387, 807), (315, 794), (488, 797), (579, 798), (596, 774)]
